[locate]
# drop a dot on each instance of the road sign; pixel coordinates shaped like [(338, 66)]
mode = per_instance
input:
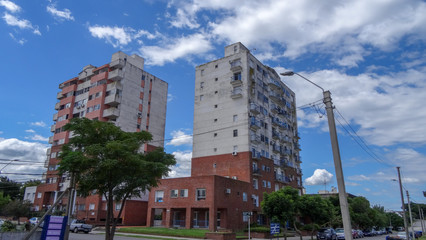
[(54, 227), (275, 228)]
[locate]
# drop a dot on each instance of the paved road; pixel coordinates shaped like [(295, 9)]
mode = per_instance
[(94, 236)]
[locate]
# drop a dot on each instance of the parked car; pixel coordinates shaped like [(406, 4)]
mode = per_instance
[(326, 234), (360, 233), (80, 225), (34, 220), (340, 233)]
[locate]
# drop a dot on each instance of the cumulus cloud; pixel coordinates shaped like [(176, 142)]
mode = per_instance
[(10, 6), (20, 23), (170, 97), (183, 164), (116, 36), (39, 124), (20, 41), (171, 50), (37, 137), (29, 156), (59, 14), (180, 138), (30, 131), (320, 177)]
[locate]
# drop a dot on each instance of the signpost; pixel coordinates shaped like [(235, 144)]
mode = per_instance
[(275, 228), (248, 215), (54, 227)]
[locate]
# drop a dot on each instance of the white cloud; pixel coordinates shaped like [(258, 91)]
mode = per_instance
[(116, 36), (180, 138), (20, 41), (359, 178), (173, 49), (10, 6), (170, 97), (30, 131), (38, 124), (1, 132), (183, 164), (61, 15), (320, 177), (20, 23), (30, 156), (37, 137)]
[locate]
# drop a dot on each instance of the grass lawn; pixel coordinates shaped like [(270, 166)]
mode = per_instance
[(192, 233)]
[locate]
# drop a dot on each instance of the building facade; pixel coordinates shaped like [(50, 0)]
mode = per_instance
[(245, 143), (120, 92)]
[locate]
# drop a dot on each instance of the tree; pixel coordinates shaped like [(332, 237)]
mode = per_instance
[(10, 188), (280, 206), (17, 208), (317, 209), (104, 158)]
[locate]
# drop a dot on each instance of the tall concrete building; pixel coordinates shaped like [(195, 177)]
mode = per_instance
[(245, 143), (120, 92)]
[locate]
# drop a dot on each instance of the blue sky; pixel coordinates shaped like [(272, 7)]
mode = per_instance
[(369, 54)]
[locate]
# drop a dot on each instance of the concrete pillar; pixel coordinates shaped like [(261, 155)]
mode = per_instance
[(149, 217), (213, 219)]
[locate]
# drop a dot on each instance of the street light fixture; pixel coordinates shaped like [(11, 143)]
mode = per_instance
[(336, 156)]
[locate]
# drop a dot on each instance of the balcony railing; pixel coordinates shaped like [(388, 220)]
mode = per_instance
[(55, 116), (236, 66), (254, 123), (111, 112), (115, 75), (256, 171), (255, 154), (60, 95), (254, 108), (117, 63), (53, 127), (255, 138), (200, 223), (273, 84), (113, 100), (237, 93), (282, 178), (57, 105)]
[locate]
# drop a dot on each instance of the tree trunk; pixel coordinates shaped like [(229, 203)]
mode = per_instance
[(297, 230), (312, 232), (110, 216), (285, 231), (114, 224)]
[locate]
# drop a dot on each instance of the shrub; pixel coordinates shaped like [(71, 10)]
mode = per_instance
[(8, 226)]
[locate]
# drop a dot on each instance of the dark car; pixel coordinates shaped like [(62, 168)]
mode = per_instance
[(326, 234)]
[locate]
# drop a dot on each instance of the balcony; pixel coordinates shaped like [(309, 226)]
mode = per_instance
[(48, 151), (115, 75), (273, 84), (254, 124), (255, 155), (60, 95), (282, 178), (277, 98), (46, 162), (55, 116), (255, 138), (236, 66), (57, 105), (254, 108), (119, 63), (274, 108), (276, 162), (113, 100), (237, 93), (236, 80), (53, 127), (50, 139), (276, 148), (111, 112), (114, 86), (256, 171), (276, 121)]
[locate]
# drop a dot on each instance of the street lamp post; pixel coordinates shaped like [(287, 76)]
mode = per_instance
[(336, 156)]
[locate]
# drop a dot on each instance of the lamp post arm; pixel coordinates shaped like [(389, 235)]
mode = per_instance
[(310, 81)]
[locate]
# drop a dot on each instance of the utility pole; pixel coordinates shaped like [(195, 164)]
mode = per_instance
[(402, 201), (70, 205), (409, 211), (421, 218), (347, 226)]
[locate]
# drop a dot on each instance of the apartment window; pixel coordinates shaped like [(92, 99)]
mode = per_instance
[(255, 183), (159, 196), (215, 92), (215, 120), (235, 148), (214, 149), (237, 76), (53, 155), (202, 72), (216, 79), (91, 206), (201, 97), (264, 183), (269, 184), (201, 84), (277, 187), (200, 194), (117, 206), (215, 66), (215, 106), (215, 135), (244, 197), (235, 133), (214, 165), (235, 118), (184, 193), (81, 207), (174, 193), (39, 195)]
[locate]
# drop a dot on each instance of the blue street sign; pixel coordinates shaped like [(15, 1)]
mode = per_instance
[(54, 228), (275, 228)]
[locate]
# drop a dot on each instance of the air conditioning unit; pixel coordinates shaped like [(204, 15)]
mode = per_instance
[(234, 177), (139, 115), (234, 153), (61, 184), (228, 191)]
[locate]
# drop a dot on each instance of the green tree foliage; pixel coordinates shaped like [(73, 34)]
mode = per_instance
[(281, 206), (104, 158), (395, 220), (17, 208), (10, 188), (317, 209)]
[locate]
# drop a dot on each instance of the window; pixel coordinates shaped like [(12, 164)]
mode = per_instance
[(269, 184), (215, 135), (255, 185), (215, 106), (264, 183), (216, 79), (117, 206), (215, 120), (174, 193), (235, 148), (201, 194), (159, 196), (277, 187), (201, 84), (244, 197), (39, 195), (237, 76), (215, 92), (202, 72), (81, 207), (184, 193), (235, 118), (91, 206), (215, 66), (214, 149), (235, 133), (201, 97), (53, 155)]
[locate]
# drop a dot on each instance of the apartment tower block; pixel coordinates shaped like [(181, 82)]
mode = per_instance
[(120, 92), (245, 143)]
